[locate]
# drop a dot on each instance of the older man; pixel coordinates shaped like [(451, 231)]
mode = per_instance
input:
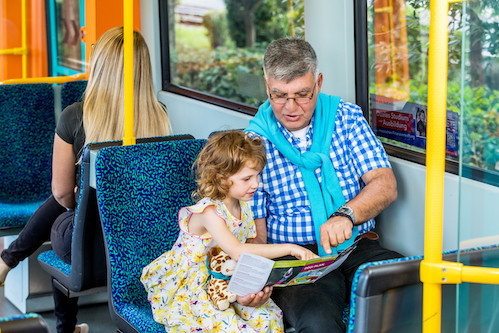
[(327, 177)]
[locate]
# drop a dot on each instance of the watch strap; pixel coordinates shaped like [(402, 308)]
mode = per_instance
[(345, 215)]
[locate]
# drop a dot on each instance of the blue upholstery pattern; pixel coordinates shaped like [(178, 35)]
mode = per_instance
[(72, 92), (22, 316), (140, 190), (17, 214), (87, 253), (29, 323), (88, 268), (50, 258), (27, 124)]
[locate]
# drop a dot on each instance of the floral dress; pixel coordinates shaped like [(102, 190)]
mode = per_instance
[(176, 281)]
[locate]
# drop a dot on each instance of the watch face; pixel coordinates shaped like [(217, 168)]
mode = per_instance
[(346, 210)]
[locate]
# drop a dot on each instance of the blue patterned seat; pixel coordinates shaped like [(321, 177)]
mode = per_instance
[(140, 190), (27, 124), (72, 92), (88, 266), (26, 323)]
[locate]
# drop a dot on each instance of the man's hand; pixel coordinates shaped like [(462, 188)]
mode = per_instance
[(335, 231), (255, 300)]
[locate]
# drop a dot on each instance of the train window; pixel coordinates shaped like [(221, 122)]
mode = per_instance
[(397, 58), (213, 50), (66, 48)]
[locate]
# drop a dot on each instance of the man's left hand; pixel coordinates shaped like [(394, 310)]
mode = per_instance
[(335, 231)]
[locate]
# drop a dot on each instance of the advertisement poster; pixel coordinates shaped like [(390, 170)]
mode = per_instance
[(407, 122)]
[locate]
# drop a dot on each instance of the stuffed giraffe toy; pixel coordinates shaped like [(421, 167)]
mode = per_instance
[(220, 268)]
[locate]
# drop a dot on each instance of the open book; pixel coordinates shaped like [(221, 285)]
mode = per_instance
[(254, 272)]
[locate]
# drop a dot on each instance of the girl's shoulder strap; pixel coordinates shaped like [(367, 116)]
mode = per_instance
[(201, 205)]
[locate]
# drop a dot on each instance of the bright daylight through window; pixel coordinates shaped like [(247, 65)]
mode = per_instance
[(216, 46)]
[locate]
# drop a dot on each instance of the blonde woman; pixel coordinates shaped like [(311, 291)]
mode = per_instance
[(98, 118)]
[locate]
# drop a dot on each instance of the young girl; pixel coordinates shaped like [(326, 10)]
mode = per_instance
[(228, 170)]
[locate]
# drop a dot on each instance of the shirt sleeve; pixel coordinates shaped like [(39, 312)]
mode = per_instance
[(259, 203), (67, 123)]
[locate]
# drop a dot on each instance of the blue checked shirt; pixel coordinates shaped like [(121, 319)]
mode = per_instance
[(281, 197)]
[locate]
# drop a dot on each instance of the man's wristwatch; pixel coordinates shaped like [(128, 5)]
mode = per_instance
[(347, 212)]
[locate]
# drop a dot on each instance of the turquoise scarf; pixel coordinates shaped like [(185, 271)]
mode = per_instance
[(324, 199)]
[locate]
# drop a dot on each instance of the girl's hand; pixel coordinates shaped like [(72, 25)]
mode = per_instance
[(302, 253), (255, 300)]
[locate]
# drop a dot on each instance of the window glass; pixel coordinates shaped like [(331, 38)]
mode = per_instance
[(398, 39), (66, 46), (216, 47)]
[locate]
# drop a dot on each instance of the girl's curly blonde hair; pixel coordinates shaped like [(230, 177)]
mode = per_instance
[(224, 154)]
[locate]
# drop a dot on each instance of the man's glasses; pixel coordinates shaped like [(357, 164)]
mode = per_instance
[(298, 99)]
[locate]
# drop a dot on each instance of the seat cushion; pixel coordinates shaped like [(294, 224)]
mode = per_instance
[(17, 214), (50, 258)]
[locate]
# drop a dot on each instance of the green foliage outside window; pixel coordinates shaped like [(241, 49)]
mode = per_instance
[(224, 56), (473, 73)]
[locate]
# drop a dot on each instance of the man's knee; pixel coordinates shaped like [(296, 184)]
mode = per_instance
[(321, 315), (319, 322)]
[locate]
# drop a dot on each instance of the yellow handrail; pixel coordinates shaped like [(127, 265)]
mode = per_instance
[(14, 51), (47, 79), (24, 43), (128, 139), (23, 50), (434, 272)]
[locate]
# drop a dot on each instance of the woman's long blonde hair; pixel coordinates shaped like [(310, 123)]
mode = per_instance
[(103, 108)]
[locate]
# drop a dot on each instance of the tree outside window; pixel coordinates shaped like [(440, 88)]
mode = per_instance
[(216, 46)]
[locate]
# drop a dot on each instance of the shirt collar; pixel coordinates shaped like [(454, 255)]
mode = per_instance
[(293, 140)]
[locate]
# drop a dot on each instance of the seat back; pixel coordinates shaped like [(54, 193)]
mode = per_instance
[(387, 296), (27, 124), (72, 92), (140, 190), (88, 261)]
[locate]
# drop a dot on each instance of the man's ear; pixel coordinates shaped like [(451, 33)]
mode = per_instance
[(319, 82)]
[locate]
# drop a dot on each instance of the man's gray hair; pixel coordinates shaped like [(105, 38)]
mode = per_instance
[(289, 58)]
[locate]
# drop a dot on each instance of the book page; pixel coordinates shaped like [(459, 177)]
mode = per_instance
[(250, 274)]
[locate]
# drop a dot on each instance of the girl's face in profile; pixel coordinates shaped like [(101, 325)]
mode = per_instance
[(244, 183)]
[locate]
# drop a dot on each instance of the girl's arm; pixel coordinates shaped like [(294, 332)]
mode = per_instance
[(261, 232), (216, 226), (63, 173)]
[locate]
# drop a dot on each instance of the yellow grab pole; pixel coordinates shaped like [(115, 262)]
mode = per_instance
[(128, 138), (24, 43), (434, 272), (435, 161)]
